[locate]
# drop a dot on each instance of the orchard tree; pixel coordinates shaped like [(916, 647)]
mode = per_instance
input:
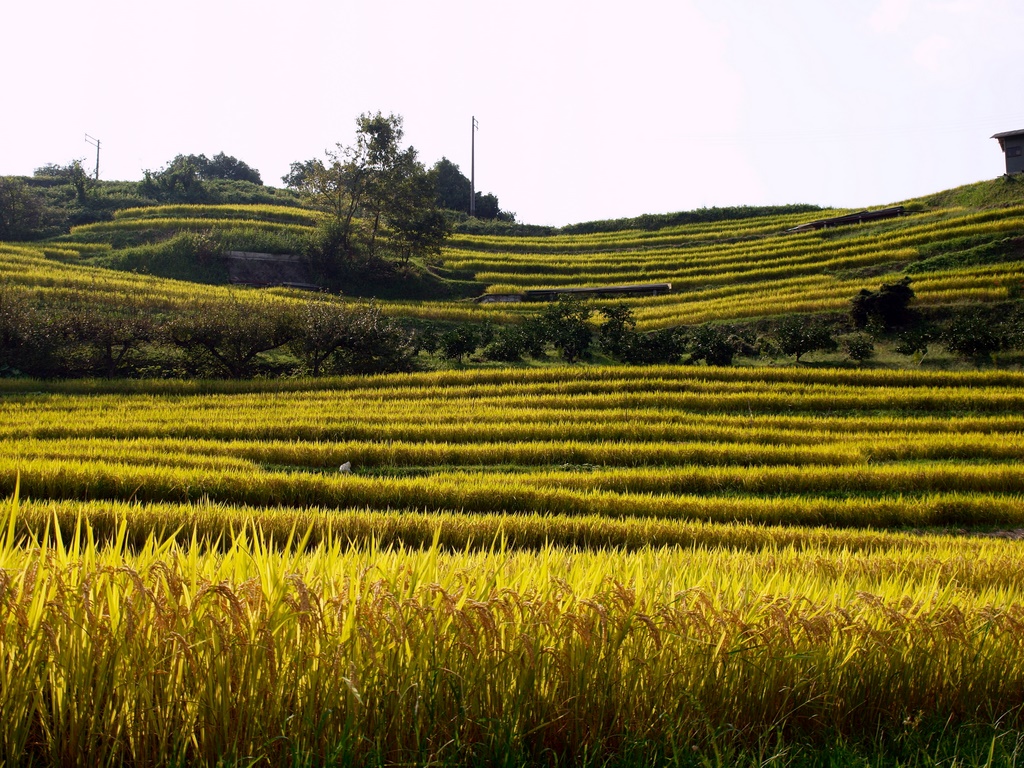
[(231, 333), (974, 336), (567, 323), (797, 335), (349, 338), (711, 344)]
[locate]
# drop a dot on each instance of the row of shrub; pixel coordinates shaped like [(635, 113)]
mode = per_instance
[(974, 333), (250, 334), (242, 336)]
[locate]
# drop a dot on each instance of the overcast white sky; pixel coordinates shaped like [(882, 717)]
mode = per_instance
[(587, 109)]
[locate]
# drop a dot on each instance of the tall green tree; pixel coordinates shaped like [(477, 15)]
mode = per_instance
[(379, 198), (453, 189), (567, 323), (22, 210)]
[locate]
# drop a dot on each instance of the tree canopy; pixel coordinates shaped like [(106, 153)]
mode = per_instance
[(181, 180), (453, 190), (379, 197)]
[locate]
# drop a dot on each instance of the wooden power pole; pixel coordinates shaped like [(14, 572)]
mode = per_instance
[(96, 143), (472, 169)]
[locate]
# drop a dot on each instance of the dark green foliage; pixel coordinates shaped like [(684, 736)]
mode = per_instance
[(420, 232), (72, 174), (458, 342), (109, 337), (463, 224), (230, 334), (701, 215), (379, 199), (884, 309), (302, 173), (453, 187), (424, 337), (453, 190), (23, 213), (510, 344), (712, 344), (202, 168), (857, 346), (536, 337), (323, 327), (177, 183), (661, 347), (618, 332), (913, 341), (330, 259), (222, 166), (17, 317), (368, 342), (195, 179), (618, 338), (797, 335), (973, 334), (567, 327), (74, 335)]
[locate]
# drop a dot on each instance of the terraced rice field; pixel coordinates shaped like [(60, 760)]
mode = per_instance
[(631, 564), (726, 271), (532, 566)]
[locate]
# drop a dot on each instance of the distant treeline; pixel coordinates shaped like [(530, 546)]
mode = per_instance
[(648, 221), (698, 216)]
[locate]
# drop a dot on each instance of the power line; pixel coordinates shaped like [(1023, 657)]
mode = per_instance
[(96, 143), (472, 169)]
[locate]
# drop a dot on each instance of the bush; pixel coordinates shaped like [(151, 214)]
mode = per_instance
[(914, 341), (797, 335), (23, 214), (372, 343), (510, 344), (857, 346), (618, 332), (458, 342), (110, 337), (711, 344), (971, 334), (567, 326), (884, 309)]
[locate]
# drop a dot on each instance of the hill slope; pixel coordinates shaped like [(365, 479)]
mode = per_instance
[(962, 247)]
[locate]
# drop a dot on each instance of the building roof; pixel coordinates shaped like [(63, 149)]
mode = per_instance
[(1007, 134)]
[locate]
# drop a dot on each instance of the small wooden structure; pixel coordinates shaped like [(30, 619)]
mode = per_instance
[(1012, 144), (598, 292), (851, 218)]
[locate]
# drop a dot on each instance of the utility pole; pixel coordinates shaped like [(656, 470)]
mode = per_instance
[(96, 143), (472, 170)]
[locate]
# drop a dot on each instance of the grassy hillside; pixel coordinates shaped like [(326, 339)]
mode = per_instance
[(961, 248), (720, 270), (604, 565)]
